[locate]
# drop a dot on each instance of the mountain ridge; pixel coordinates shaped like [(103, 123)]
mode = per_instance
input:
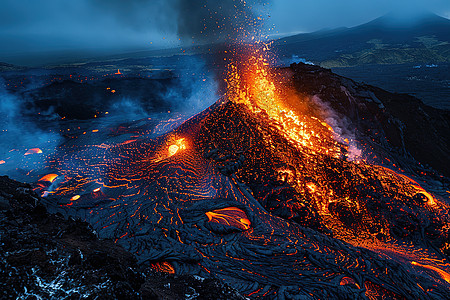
[(384, 40)]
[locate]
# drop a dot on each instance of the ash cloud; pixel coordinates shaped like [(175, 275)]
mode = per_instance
[(218, 21), (198, 21)]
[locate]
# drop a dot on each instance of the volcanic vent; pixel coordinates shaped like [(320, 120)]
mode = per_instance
[(261, 192)]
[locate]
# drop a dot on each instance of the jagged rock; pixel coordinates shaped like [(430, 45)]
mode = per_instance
[(46, 256)]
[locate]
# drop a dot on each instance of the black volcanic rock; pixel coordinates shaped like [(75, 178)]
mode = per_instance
[(47, 256), (74, 100), (400, 123)]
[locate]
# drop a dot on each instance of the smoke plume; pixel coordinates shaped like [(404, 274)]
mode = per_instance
[(198, 21), (217, 21)]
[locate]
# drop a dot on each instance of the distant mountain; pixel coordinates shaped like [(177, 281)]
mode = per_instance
[(386, 40), (4, 67)]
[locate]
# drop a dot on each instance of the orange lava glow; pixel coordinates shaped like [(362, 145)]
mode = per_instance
[(444, 275), (251, 83), (311, 186), (173, 149), (74, 198), (33, 151), (230, 216), (163, 266), (269, 97), (347, 281), (431, 201), (178, 145), (280, 139), (118, 72), (49, 177)]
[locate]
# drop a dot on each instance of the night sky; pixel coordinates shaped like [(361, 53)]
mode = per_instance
[(29, 27)]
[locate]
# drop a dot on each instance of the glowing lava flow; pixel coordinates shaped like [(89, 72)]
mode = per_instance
[(178, 145), (222, 195), (49, 177), (443, 274), (230, 216), (251, 83)]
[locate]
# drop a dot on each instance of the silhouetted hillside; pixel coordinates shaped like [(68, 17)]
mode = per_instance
[(386, 40)]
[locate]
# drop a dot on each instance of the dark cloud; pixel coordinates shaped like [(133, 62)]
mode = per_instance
[(140, 15), (194, 20), (310, 15), (29, 26), (212, 21)]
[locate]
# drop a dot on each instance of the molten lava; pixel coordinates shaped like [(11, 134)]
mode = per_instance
[(164, 267), (33, 151), (443, 274), (74, 198), (251, 83), (173, 149), (49, 177), (178, 145), (230, 216)]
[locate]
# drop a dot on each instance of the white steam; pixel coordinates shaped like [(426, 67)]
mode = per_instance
[(341, 127)]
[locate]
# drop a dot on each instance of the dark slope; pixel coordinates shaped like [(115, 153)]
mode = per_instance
[(400, 121)]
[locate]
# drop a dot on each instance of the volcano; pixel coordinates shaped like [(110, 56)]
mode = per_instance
[(285, 188)]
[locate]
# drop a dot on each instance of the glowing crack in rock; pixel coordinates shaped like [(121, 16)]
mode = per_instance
[(230, 216)]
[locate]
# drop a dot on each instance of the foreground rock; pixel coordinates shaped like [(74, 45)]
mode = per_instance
[(44, 256)]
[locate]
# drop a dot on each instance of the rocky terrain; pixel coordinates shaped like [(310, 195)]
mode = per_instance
[(226, 199), (46, 256), (402, 122)]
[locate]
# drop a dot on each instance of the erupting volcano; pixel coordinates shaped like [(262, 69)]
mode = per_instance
[(262, 192), (295, 184)]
